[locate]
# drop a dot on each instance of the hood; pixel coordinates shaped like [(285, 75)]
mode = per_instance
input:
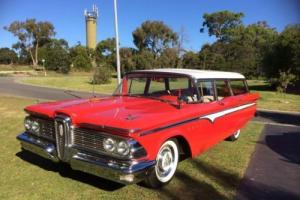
[(131, 113)]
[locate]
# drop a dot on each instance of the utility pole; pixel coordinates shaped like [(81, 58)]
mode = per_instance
[(117, 42)]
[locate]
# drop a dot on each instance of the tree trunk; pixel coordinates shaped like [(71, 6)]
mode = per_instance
[(32, 58), (36, 52)]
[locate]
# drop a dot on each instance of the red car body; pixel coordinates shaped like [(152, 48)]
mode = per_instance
[(148, 122)]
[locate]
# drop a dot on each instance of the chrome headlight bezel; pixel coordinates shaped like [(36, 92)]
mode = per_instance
[(116, 146), (32, 125), (109, 144)]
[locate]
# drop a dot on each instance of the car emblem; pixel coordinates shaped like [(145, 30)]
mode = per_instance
[(61, 130)]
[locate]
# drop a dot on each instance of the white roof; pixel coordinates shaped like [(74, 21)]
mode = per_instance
[(199, 74)]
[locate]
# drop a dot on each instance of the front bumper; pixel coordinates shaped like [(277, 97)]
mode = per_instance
[(125, 173)]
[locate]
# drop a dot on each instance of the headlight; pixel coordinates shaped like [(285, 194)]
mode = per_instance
[(109, 144), (35, 127), (123, 148), (27, 124)]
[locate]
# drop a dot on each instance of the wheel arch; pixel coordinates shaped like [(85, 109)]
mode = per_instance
[(184, 147)]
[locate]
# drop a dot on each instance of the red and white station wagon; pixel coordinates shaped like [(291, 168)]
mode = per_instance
[(153, 120)]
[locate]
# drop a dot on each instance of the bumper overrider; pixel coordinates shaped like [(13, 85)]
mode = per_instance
[(119, 171)]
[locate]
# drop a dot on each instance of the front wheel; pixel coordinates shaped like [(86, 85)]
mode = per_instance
[(166, 165), (234, 136)]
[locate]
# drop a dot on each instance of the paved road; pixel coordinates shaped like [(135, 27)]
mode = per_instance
[(274, 170), (9, 86)]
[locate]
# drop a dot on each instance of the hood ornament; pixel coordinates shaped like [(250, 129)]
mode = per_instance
[(130, 117)]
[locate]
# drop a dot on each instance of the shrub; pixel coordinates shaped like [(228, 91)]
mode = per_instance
[(102, 75)]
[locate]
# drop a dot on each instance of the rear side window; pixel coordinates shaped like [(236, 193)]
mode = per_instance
[(238, 87), (223, 90), (206, 90)]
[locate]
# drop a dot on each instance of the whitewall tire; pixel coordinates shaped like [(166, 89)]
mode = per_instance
[(234, 136), (166, 165)]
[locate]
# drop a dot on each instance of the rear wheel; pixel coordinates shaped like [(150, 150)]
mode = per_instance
[(234, 136), (166, 165)]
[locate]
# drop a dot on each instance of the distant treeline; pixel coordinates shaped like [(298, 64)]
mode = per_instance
[(254, 50)]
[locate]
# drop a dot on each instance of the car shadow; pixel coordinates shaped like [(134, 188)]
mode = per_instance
[(190, 187), (286, 144), (65, 171)]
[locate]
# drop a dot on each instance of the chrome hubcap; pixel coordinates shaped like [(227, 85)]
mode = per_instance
[(166, 161)]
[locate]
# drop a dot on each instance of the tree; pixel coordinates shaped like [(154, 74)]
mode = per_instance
[(31, 34), (285, 79), (145, 60), (8, 56), (284, 53), (127, 59), (168, 58), (191, 60), (81, 58), (56, 55), (154, 36), (105, 52), (219, 23)]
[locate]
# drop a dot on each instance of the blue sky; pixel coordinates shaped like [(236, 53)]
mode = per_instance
[(67, 16)]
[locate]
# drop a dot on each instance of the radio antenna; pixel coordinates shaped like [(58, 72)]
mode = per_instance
[(94, 83)]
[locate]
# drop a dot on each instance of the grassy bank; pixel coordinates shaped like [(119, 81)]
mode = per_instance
[(213, 175), (73, 81), (270, 99)]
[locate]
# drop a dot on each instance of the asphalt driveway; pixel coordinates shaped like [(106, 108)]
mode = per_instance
[(274, 170)]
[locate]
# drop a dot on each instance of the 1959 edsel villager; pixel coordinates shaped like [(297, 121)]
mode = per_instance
[(154, 119)]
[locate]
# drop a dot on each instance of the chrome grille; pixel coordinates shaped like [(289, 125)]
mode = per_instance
[(88, 139), (62, 132), (47, 129)]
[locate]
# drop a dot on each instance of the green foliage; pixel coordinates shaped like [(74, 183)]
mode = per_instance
[(168, 58), (191, 60), (145, 60), (8, 56), (102, 75), (106, 53), (56, 56), (285, 79), (81, 58), (284, 54), (219, 23), (31, 35), (127, 59), (154, 36), (238, 48)]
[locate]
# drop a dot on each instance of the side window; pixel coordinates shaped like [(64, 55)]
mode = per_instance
[(222, 88), (238, 87), (178, 83), (157, 85), (206, 90), (137, 86)]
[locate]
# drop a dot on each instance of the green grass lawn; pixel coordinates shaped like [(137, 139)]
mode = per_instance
[(273, 100), (73, 81), (213, 175)]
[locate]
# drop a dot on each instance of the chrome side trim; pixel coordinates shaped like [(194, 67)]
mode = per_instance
[(214, 116), (211, 117)]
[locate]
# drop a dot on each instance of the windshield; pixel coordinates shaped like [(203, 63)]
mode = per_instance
[(159, 86)]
